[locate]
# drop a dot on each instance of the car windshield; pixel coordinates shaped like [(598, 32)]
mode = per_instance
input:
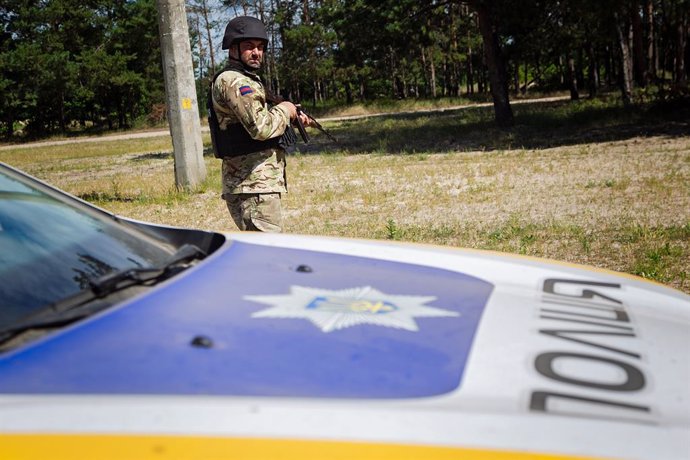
[(51, 247)]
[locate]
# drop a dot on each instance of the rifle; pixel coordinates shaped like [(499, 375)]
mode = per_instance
[(316, 124)]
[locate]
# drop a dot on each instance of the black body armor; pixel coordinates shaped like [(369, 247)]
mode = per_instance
[(235, 140)]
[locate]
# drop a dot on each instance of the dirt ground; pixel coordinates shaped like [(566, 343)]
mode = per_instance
[(607, 204), (615, 197)]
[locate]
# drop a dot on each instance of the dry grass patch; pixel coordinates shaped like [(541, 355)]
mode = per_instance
[(613, 199)]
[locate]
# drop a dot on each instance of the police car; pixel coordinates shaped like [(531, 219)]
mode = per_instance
[(122, 339)]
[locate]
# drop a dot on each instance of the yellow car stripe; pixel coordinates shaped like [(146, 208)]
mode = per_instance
[(57, 447)]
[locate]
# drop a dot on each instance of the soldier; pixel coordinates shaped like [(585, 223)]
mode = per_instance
[(249, 133)]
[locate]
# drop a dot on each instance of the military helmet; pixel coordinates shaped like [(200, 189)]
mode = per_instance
[(243, 28)]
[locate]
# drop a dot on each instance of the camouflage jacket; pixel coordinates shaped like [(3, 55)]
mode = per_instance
[(239, 98)]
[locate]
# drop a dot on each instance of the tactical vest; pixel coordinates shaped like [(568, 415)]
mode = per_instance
[(235, 140)]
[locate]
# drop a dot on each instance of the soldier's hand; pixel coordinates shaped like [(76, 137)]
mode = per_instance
[(291, 109), (306, 119)]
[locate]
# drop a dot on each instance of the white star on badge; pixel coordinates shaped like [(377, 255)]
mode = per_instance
[(333, 310)]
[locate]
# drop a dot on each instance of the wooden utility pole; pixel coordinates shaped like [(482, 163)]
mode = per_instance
[(180, 91)]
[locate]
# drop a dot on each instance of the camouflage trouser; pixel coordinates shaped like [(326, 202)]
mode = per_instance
[(258, 212)]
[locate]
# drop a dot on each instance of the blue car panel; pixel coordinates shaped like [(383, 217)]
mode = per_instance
[(198, 336)]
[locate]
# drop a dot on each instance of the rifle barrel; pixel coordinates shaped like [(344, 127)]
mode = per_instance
[(316, 124)]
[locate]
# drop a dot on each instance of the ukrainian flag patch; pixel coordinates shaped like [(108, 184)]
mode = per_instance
[(246, 89)]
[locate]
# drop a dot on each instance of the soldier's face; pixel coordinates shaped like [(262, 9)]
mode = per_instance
[(252, 53)]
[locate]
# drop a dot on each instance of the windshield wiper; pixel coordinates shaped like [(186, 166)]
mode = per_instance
[(81, 305), (116, 281), (137, 276)]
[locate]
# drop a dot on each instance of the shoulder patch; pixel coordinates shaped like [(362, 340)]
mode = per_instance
[(246, 89)]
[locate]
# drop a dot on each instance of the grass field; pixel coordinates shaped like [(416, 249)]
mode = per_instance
[(587, 182)]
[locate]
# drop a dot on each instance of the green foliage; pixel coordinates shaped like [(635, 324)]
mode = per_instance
[(68, 62), (95, 64), (392, 230)]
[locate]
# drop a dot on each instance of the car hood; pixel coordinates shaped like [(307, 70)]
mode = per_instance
[(272, 321), (429, 329), (304, 317)]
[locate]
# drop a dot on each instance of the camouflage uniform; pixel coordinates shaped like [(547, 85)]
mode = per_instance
[(252, 183)]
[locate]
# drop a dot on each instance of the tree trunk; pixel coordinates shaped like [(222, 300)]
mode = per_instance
[(516, 78), (526, 87), (593, 80), (650, 74), (608, 67), (314, 92), (470, 71), (432, 78), (623, 31), (61, 110), (426, 78), (201, 48), (572, 79), (10, 127), (496, 66), (680, 76), (639, 59), (209, 32), (580, 67)]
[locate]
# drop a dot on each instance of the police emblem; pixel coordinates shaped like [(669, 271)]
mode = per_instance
[(333, 310)]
